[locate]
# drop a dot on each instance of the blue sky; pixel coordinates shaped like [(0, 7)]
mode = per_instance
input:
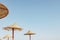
[(40, 16)]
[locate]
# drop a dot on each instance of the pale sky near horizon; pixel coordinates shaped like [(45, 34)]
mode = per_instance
[(40, 16)]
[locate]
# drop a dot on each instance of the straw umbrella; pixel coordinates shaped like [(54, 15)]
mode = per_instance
[(3, 11), (7, 36), (13, 27), (29, 33)]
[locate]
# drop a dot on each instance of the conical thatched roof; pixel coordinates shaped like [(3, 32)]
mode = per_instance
[(14, 26), (3, 7), (3, 11), (29, 33), (7, 36)]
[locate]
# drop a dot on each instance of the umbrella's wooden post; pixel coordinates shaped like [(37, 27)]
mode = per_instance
[(12, 33), (29, 37)]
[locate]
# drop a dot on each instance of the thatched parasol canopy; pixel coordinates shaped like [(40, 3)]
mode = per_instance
[(3, 11), (14, 26), (7, 36), (29, 33)]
